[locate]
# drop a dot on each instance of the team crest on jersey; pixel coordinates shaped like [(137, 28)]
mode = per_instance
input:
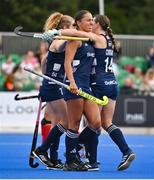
[(56, 67), (85, 44)]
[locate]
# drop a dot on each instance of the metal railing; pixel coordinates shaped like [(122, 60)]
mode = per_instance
[(132, 45)]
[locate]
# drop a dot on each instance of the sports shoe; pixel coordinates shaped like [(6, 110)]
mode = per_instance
[(56, 164), (43, 157), (92, 166), (75, 165), (126, 161), (87, 161)]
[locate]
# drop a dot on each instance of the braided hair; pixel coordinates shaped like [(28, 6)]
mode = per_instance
[(105, 25)]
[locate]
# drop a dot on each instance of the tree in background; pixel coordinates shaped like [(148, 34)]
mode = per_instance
[(131, 17), (127, 17)]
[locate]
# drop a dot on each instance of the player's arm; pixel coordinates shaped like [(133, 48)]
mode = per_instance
[(50, 34), (74, 32), (70, 50)]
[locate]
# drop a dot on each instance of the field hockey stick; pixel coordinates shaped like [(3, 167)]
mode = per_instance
[(75, 38), (17, 98), (35, 135), (43, 106), (102, 102), (46, 36)]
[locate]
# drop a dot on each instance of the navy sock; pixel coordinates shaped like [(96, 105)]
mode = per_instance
[(117, 136), (89, 137), (54, 150), (83, 136), (71, 142), (92, 145), (53, 137)]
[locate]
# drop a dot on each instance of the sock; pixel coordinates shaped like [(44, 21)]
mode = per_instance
[(53, 137), (45, 128), (117, 136), (54, 150), (92, 145), (71, 142), (83, 136), (89, 137), (54, 147)]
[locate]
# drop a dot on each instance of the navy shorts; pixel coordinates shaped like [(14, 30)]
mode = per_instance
[(84, 85), (105, 86), (50, 92)]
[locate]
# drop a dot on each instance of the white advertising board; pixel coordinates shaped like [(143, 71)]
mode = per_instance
[(18, 115)]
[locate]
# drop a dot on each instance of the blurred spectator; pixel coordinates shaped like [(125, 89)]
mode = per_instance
[(30, 60), (130, 68), (25, 81), (9, 82), (42, 51), (21, 79), (129, 86), (115, 69), (8, 66), (148, 85), (151, 55), (138, 74), (36, 79), (117, 53)]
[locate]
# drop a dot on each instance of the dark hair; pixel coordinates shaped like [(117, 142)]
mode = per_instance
[(79, 15), (104, 22)]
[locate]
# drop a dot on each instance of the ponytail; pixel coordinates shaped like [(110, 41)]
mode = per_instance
[(110, 34)]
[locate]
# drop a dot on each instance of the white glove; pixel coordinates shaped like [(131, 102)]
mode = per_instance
[(50, 34)]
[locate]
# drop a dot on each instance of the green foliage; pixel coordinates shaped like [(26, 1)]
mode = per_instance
[(131, 17), (127, 17)]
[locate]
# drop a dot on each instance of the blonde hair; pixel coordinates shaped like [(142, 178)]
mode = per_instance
[(57, 21)]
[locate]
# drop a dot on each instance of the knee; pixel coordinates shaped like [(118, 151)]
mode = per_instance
[(96, 128), (96, 125), (74, 125), (64, 124), (105, 125)]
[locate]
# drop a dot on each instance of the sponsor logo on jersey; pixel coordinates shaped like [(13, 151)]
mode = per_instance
[(90, 54), (110, 82)]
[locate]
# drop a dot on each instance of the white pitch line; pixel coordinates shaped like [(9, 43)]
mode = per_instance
[(100, 145)]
